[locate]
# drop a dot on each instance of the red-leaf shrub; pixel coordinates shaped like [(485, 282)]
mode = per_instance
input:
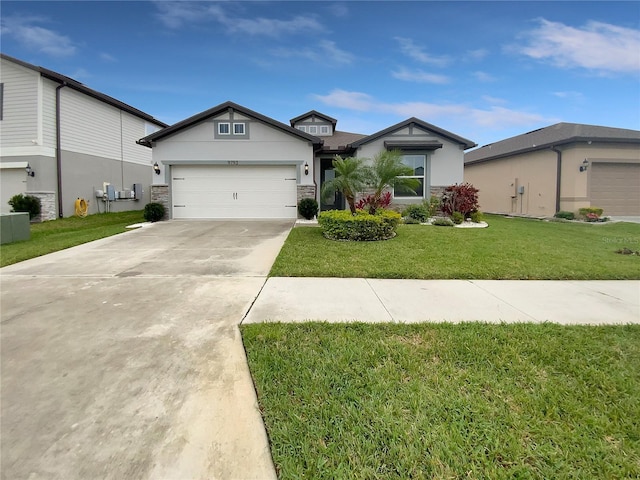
[(371, 204), (461, 198)]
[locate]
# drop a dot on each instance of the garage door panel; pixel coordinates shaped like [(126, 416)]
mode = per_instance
[(615, 187), (234, 191)]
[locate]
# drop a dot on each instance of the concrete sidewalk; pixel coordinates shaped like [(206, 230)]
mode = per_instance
[(408, 301)]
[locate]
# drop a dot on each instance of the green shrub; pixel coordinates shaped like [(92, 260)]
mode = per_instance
[(342, 225), (476, 217), (586, 211), (26, 203), (457, 218), (410, 221), (308, 208), (432, 205), (416, 212), (442, 222), (154, 212), (565, 215)]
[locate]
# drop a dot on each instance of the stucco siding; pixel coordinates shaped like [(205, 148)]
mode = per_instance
[(20, 109), (499, 180)]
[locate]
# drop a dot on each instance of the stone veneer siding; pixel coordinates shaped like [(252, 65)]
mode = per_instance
[(160, 194), (306, 191), (48, 207)]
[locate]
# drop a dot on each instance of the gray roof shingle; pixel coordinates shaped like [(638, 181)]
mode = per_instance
[(548, 137)]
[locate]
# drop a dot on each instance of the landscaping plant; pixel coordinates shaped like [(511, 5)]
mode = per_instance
[(342, 225), (416, 212), (387, 172), (308, 208), (565, 215), (371, 203), (461, 198), (351, 176), (26, 203), (154, 212)]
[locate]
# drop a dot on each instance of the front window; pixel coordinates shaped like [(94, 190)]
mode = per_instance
[(418, 164), (223, 128), (238, 128)]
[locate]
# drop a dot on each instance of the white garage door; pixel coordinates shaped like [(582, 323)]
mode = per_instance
[(221, 191), (615, 187)]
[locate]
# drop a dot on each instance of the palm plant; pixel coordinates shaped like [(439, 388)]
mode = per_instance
[(351, 178), (388, 172)]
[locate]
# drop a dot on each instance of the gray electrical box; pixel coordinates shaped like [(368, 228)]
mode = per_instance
[(521, 189), (111, 193), (137, 191)]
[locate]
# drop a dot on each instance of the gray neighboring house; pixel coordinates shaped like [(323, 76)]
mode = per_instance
[(232, 162), (73, 139), (565, 166)]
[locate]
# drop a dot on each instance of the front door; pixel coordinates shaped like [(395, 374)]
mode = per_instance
[(333, 202)]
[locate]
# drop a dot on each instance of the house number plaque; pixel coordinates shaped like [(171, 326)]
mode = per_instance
[(232, 162)]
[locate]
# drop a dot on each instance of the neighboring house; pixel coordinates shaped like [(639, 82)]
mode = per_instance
[(73, 139), (232, 162), (566, 166)]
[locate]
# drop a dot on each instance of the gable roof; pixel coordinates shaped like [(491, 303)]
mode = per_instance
[(422, 124), (314, 113), (340, 142), (74, 84), (217, 110), (548, 137)]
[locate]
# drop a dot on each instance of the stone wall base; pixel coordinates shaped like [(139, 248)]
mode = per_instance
[(48, 207), (160, 194)]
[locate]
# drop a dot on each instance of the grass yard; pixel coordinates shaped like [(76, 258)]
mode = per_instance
[(539, 401), (511, 248), (54, 235)]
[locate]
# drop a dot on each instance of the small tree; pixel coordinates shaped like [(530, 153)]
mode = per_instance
[(351, 176), (461, 198), (388, 172), (26, 203)]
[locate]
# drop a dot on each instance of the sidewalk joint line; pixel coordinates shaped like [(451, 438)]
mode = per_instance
[(380, 300)]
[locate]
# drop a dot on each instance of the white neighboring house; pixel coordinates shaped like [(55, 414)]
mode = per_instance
[(232, 162), (72, 138)]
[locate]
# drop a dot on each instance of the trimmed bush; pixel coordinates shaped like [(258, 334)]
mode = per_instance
[(154, 212), (432, 205), (457, 218), (442, 222), (565, 215), (308, 208), (586, 211), (342, 225), (416, 212), (26, 203), (476, 217)]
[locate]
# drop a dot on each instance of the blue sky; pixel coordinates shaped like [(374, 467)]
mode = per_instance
[(483, 70)]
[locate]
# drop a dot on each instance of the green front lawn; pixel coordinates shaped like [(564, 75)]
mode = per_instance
[(539, 401), (54, 235), (511, 248)]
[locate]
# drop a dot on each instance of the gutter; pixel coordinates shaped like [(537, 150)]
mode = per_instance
[(59, 149), (558, 175)]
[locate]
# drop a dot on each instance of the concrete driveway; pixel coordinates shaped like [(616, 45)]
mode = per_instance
[(122, 358)]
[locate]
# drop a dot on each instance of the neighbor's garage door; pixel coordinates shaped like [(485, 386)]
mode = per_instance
[(615, 187), (218, 191)]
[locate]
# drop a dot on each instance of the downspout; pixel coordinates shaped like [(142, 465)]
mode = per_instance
[(59, 148), (558, 176)]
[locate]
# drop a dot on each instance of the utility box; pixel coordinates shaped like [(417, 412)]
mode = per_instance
[(14, 227), (137, 191), (111, 193), (521, 189)]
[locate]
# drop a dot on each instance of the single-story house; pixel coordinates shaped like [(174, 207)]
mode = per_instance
[(232, 162), (60, 140), (565, 167)]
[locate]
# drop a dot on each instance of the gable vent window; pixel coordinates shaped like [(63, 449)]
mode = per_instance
[(238, 128), (224, 128), (313, 129), (302, 128), (324, 129)]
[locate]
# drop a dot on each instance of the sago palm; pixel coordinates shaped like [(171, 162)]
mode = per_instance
[(351, 178)]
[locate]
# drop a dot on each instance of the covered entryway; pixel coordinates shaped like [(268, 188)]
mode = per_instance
[(615, 187), (234, 191)]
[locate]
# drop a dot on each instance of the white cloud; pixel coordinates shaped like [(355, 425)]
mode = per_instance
[(177, 14), (419, 76), (80, 73), (494, 100), (493, 117), (327, 53), (479, 54), (595, 46), (33, 37), (570, 95), (339, 10), (484, 77), (417, 53), (107, 57)]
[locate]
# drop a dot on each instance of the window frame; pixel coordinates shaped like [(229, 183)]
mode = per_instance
[(228, 132), (302, 128), (244, 128), (324, 129), (315, 129), (422, 177)]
